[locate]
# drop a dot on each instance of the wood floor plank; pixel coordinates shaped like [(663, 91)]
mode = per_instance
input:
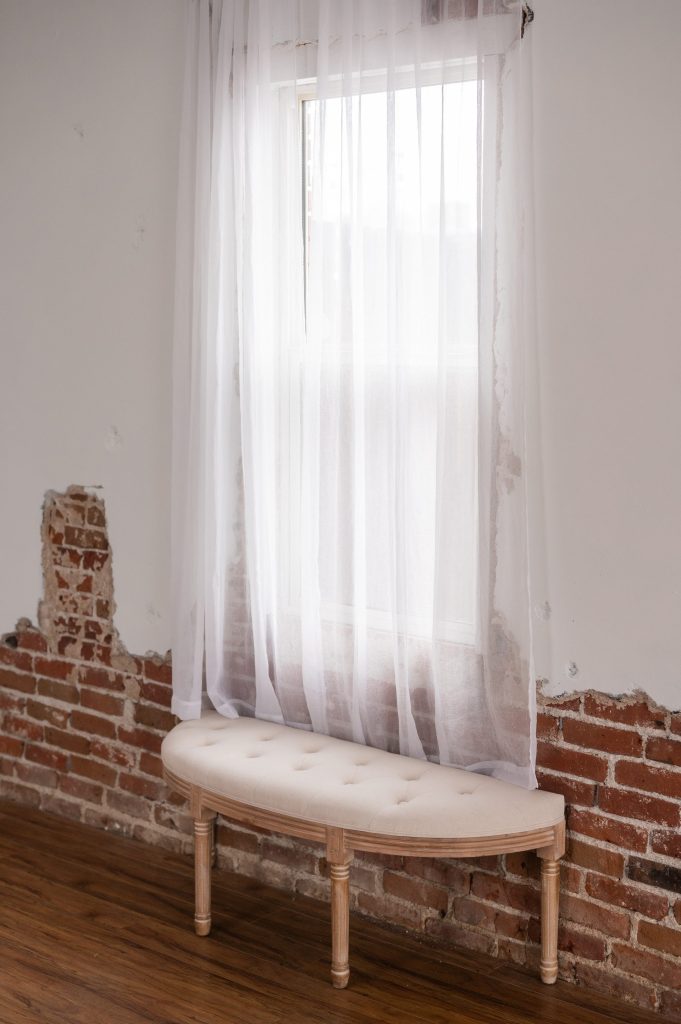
[(96, 928)]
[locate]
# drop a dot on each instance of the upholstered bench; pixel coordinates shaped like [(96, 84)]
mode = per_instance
[(352, 797)]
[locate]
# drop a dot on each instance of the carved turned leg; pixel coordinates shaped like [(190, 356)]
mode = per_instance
[(339, 869), (203, 832), (550, 889)]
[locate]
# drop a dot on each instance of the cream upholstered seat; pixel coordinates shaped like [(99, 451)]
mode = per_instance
[(342, 784), (352, 797)]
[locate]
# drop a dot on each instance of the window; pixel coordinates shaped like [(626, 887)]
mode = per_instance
[(372, 224)]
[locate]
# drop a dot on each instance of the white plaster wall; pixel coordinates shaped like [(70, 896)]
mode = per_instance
[(89, 122), (608, 193), (89, 126)]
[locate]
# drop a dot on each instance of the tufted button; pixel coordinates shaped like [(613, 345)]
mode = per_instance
[(254, 753)]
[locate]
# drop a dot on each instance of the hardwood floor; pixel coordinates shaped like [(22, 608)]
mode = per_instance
[(95, 929)]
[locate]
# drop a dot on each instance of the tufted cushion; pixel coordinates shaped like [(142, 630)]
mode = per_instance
[(338, 783)]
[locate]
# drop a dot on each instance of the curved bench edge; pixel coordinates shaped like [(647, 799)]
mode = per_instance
[(549, 840)]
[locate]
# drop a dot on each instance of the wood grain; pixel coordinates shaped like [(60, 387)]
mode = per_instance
[(93, 927)]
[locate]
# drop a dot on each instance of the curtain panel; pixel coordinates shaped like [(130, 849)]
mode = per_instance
[(351, 381)]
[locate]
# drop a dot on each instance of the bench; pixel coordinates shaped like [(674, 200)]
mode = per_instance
[(351, 797)]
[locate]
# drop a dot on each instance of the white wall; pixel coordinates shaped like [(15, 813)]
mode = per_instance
[(608, 180), (89, 126), (89, 120)]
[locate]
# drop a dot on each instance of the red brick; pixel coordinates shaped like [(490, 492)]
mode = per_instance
[(128, 803), (37, 775), (656, 936), (624, 710), (654, 872), (573, 790), (53, 668), (113, 752), (454, 934), (670, 1005), (602, 919), (81, 789), (526, 865), (423, 894), (608, 830), (96, 516), (78, 537), (151, 789), (667, 843), (67, 740), (596, 858), (151, 765), (661, 781), (157, 693), (675, 723), (508, 893), (10, 701), (604, 979), (602, 737), (629, 804), (64, 808), (94, 561), (664, 750), (84, 722), (155, 718), (102, 679), (20, 794), (16, 681), (562, 703), (102, 702), (157, 671), (384, 908), (22, 661), (228, 836), (17, 726), (141, 738), (103, 609), (632, 897), (32, 640), (571, 761), (295, 856), (94, 770), (452, 876), (11, 746), (647, 965), (548, 727), (66, 692), (47, 757), (68, 558), (47, 713), (582, 944)]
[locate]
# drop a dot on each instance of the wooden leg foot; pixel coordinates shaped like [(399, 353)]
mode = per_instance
[(550, 889), (203, 831), (340, 924)]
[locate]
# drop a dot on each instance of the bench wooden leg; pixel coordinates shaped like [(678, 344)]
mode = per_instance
[(203, 842), (550, 889), (339, 858)]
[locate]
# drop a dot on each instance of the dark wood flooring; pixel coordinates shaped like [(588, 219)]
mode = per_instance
[(96, 929)]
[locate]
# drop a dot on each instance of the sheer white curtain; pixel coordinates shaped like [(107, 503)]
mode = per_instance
[(350, 457)]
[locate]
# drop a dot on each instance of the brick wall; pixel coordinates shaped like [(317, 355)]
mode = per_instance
[(81, 722)]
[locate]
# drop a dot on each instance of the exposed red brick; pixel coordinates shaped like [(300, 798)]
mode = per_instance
[(667, 843), (423, 894), (46, 713), (596, 858), (94, 770), (128, 803), (66, 692), (656, 936), (157, 671), (608, 830), (602, 737), (113, 752), (575, 791), (84, 722), (602, 919), (581, 943), (151, 765), (647, 965), (663, 781), (504, 891), (68, 740), (11, 746), (619, 894), (78, 537), (32, 640), (16, 681), (526, 865), (46, 756), (670, 1005), (36, 775), (81, 789), (654, 872), (96, 516), (17, 726), (102, 679), (22, 661), (548, 727), (664, 750), (627, 711), (562, 703), (450, 874), (150, 741), (571, 761), (604, 979), (155, 718), (102, 702), (53, 668), (137, 784), (629, 804), (157, 693), (385, 908)]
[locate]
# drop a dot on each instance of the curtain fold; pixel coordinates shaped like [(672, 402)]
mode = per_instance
[(353, 321)]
